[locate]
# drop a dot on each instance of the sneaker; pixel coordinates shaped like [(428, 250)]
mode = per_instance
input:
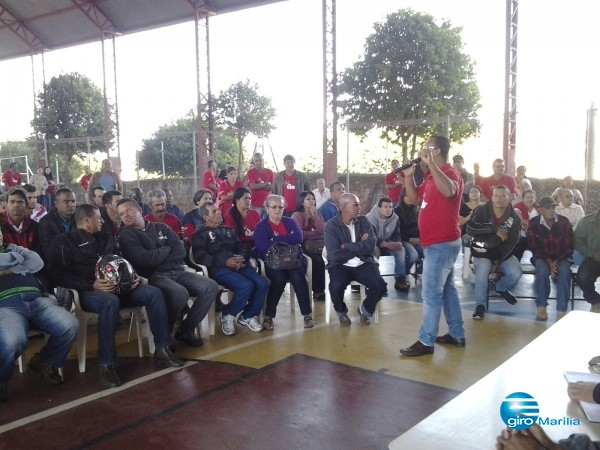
[(364, 319), (108, 376), (251, 323), (479, 313), (228, 324), (268, 323), (3, 392), (308, 321), (401, 285), (191, 338), (508, 296), (542, 314), (595, 308), (49, 373), (344, 320)]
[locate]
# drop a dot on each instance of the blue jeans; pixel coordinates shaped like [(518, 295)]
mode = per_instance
[(248, 287), (107, 307), (542, 284), (367, 274), (278, 280), (439, 292), (177, 287), (413, 252), (399, 261), (511, 273), (20, 311)]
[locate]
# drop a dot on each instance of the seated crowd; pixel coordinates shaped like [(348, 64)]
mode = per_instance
[(238, 240)]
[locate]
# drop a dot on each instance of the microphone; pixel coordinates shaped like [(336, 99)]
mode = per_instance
[(407, 165)]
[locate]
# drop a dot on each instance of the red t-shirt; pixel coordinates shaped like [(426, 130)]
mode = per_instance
[(438, 216), (249, 225), (10, 178), (487, 184), (224, 189), (254, 176), (208, 178), (278, 229), (85, 182), (289, 191), (170, 220), (391, 178)]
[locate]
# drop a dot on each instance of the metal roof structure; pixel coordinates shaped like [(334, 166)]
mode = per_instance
[(29, 27)]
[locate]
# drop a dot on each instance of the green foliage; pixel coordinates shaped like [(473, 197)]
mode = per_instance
[(70, 106), (178, 149), (241, 110), (412, 69)]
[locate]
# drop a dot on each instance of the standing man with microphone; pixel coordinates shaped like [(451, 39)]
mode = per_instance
[(441, 191)]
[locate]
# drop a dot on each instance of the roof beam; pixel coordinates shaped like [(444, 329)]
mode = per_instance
[(18, 26), (94, 14)]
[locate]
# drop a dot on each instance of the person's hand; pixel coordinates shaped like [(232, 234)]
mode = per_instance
[(5, 272), (135, 283), (415, 241), (532, 438), (392, 245), (502, 234), (364, 237), (409, 171), (104, 286), (476, 169), (582, 391)]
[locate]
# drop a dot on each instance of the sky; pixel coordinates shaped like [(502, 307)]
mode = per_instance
[(279, 47)]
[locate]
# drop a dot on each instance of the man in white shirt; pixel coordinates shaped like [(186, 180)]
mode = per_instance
[(572, 211), (322, 193)]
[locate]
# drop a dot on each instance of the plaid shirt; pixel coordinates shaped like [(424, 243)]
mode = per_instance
[(555, 243)]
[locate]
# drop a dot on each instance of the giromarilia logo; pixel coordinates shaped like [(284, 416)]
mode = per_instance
[(520, 410)]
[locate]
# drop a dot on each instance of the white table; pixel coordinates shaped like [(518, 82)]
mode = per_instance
[(472, 420)]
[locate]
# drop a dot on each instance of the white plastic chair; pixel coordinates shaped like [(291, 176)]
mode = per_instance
[(137, 314)]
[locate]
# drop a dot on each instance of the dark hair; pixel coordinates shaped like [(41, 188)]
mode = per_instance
[(527, 191), (84, 211), (334, 184), (98, 187), (210, 162), (383, 200), (231, 169), (236, 215), (443, 144), (301, 197), (29, 188), (127, 200), (199, 194), (476, 187), (107, 197), (60, 192)]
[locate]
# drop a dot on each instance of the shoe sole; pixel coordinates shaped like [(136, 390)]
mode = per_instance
[(477, 318), (256, 330), (453, 344)]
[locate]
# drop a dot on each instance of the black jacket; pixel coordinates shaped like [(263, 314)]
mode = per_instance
[(213, 246), (73, 258), (48, 228), (409, 220), (482, 225), (154, 249)]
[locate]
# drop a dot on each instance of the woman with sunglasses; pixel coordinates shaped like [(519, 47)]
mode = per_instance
[(276, 228)]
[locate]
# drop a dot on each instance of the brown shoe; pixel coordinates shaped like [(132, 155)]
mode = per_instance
[(542, 314), (417, 349), (560, 315), (595, 308)]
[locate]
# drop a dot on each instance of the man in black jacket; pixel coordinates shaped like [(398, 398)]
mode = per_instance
[(227, 259), (157, 253), (73, 259), (58, 221), (495, 231)]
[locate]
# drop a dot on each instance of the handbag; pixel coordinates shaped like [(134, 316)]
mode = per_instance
[(314, 245), (284, 256)]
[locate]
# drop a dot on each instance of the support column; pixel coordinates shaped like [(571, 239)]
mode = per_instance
[(510, 93), (330, 92)]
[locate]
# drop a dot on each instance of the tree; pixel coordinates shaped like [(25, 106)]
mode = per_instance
[(412, 70), (177, 143), (70, 106), (241, 110)]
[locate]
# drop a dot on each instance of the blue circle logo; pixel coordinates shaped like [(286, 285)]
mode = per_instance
[(519, 410)]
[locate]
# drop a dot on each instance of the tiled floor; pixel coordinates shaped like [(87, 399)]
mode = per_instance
[(326, 387)]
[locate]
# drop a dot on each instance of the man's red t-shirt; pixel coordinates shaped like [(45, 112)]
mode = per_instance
[(391, 178), (10, 178), (289, 191), (85, 182), (224, 189), (438, 216), (208, 178), (254, 176), (487, 184), (170, 220)]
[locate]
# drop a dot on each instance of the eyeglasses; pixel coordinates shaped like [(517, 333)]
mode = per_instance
[(356, 205), (276, 207), (429, 148)]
